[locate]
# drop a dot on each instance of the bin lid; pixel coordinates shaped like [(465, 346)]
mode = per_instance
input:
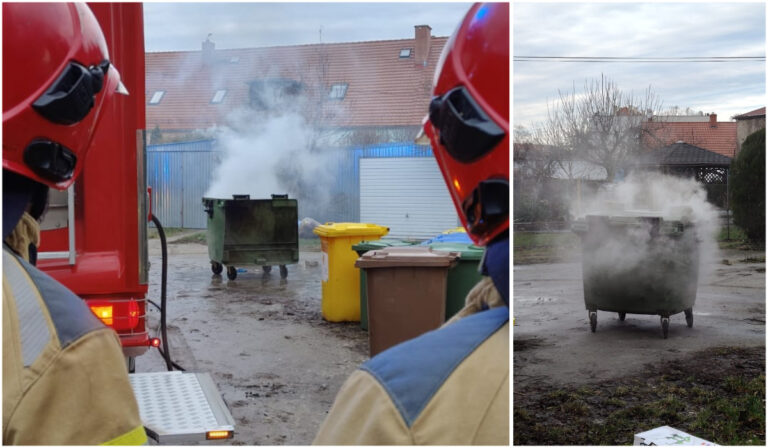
[(467, 251), (456, 237), (455, 230), (412, 256), (380, 244), (334, 229)]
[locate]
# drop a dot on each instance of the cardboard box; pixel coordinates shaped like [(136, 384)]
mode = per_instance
[(668, 436)]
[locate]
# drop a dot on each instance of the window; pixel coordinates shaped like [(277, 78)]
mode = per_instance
[(405, 53), (234, 59), (218, 97), (156, 97), (338, 91)]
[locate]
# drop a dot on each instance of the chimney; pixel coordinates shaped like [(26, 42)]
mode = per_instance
[(208, 48), (423, 44), (713, 120)]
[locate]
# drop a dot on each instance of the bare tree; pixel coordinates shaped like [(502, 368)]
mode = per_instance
[(602, 125)]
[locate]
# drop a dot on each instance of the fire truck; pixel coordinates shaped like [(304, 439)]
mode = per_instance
[(94, 241)]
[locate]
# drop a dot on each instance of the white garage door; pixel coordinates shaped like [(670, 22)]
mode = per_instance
[(407, 195)]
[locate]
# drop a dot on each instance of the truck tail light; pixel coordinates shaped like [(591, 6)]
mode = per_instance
[(103, 312), (120, 314)]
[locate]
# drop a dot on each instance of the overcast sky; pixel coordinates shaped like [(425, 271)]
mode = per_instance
[(184, 26), (641, 30)]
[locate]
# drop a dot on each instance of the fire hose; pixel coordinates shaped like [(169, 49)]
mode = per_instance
[(165, 352)]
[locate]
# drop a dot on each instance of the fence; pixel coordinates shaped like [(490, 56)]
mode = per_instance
[(180, 174)]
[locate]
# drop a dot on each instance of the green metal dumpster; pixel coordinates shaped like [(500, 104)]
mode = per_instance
[(463, 276), (245, 231), (639, 263), (361, 248)]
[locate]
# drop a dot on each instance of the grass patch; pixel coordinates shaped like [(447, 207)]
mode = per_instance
[(736, 240), (169, 232), (193, 238), (716, 394), (544, 247)]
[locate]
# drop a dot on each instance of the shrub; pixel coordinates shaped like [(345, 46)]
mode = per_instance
[(748, 187)]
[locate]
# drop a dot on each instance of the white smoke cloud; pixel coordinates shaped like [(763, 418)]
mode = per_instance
[(671, 198)]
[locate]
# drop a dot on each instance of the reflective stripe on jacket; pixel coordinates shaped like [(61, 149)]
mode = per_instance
[(446, 387), (64, 375)]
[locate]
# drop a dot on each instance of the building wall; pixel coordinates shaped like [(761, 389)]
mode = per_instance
[(746, 127)]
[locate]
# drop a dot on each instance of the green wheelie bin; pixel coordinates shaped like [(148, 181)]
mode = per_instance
[(463, 276)]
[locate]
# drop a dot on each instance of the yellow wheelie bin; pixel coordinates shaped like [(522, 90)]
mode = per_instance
[(341, 279)]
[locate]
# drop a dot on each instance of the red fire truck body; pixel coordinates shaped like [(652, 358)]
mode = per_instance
[(95, 239)]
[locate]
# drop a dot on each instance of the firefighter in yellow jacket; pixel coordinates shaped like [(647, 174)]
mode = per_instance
[(64, 376), (451, 386)]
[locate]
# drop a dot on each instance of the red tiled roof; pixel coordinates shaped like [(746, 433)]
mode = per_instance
[(383, 89), (720, 139), (755, 113)]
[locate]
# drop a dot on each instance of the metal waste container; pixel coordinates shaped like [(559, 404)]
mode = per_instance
[(639, 264), (245, 231), (361, 248), (463, 276), (406, 293), (341, 280)]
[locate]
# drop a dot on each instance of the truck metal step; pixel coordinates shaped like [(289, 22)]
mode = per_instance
[(181, 407)]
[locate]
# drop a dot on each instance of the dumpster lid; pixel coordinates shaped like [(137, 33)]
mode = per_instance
[(468, 251), (411, 256), (335, 229)]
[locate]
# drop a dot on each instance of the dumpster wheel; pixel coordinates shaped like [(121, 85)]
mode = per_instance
[(593, 320), (266, 269), (689, 317), (664, 326), (283, 271), (216, 267), (622, 316), (231, 272)]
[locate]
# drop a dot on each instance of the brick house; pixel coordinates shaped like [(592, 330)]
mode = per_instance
[(378, 91), (712, 135)]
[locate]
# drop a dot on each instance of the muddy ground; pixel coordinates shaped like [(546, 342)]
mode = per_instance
[(277, 363), (555, 353)]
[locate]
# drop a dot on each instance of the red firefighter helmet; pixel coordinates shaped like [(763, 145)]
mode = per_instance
[(56, 80), (468, 121)]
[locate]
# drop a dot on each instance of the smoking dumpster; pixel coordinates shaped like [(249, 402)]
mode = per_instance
[(639, 263), (361, 248), (341, 280), (406, 293), (245, 231)]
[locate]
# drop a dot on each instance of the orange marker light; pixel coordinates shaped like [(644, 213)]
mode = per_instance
[(217, 435), (457, 185), (103, 312), (154, 342)]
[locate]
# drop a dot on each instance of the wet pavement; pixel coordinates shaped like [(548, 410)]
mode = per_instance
[(277, 363), (553, 341)]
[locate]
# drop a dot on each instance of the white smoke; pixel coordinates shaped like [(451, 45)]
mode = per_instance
[(652, 195)]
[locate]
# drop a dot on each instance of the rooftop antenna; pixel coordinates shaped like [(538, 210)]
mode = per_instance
[(321, 34)]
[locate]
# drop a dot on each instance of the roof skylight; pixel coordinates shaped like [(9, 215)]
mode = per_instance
[(338, 91), (156, 97), (218, 97), (405, 53)]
